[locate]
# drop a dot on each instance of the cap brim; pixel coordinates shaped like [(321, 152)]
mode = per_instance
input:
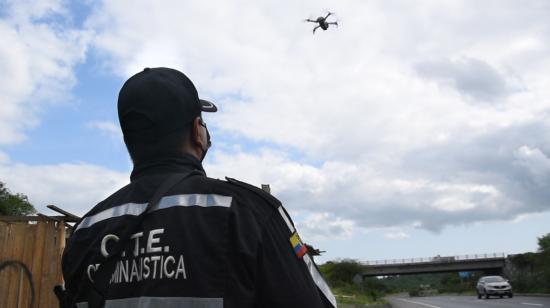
[(207, 106)]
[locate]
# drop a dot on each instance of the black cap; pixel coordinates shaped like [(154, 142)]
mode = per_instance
[(156, 102)]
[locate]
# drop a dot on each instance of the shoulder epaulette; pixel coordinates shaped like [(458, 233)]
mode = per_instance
[(258, 191)]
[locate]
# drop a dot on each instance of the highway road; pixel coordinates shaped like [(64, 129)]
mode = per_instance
[(468, 302)]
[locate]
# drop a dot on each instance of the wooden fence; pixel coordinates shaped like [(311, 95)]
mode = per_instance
[(39, 245)]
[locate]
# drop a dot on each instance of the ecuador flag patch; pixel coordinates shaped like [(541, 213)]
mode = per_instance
[(299, 248)]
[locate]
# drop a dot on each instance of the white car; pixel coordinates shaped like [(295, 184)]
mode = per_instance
[(493, 286)]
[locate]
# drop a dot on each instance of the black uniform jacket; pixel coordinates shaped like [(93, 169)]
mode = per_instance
[(209, 243)]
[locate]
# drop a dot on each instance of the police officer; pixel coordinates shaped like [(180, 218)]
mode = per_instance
[(176, 238)]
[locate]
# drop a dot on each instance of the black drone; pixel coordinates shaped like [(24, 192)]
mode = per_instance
[(323, 23)]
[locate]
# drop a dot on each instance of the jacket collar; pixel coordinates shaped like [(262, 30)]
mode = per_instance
[(184, 163)]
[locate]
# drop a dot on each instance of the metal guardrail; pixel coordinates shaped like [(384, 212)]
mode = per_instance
[(436, 259)]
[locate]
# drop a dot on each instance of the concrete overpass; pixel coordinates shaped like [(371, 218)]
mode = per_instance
[(490, 263)]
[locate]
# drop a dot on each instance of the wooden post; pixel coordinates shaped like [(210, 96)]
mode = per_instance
[(28, 257), (15, 244), (61, 239), (37, 264)]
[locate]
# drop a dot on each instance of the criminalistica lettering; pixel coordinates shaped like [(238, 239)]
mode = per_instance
[(149, 261)]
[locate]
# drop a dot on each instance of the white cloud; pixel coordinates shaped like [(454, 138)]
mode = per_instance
[(536, 162), (24, 10), (107, 127), (524, 217), (73, 187), (451, 204), (396, 235), (473, 78), (324, 226), (291, 88), (364, 198), (378, 143), (37, 61), (351, 132), (4, 158)]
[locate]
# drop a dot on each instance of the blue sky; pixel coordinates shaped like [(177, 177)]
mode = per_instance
[(411, 130)]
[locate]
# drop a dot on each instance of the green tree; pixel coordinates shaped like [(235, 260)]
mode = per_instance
[(544, 243), (544, 249), (14, 204), (341, 272)]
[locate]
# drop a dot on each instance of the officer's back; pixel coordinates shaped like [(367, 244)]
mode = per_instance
[(204, 242)]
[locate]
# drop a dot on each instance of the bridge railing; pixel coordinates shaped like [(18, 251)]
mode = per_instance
[(436, 259)]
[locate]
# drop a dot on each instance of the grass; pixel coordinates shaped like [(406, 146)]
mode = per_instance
[(346, 296)]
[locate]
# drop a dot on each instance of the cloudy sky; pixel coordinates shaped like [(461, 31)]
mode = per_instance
[(413, 129)]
